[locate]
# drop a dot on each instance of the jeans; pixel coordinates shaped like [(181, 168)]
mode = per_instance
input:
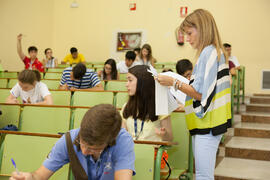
[(204, 151)]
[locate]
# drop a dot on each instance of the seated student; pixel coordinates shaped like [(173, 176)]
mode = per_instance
[(146, 57), (233, 61), (32, 61), (184, 68), (100, 149), (139, 116), (129, 62), (109, 71), (49, 61), (74, 57), (79, 77), (30, 89), (137, 52)]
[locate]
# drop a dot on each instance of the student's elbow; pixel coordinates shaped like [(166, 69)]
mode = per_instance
[(49, 100), (99, 87)]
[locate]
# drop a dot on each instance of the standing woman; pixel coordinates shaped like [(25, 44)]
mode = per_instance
[(109, 71), (49, 61), (146, 57), (208, 106)]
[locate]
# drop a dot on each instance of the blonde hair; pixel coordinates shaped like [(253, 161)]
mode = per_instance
[(207, 30)]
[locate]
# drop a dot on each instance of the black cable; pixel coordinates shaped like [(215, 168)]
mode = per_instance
[(170, 170)]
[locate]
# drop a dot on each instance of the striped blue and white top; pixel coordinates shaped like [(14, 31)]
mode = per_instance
[(89, 80), (211, 79)]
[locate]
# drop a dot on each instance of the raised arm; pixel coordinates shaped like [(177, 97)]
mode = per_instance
[(19, 47)]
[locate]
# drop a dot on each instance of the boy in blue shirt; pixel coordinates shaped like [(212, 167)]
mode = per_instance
[(99, 150)]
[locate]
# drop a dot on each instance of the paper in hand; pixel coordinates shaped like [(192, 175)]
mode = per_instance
[(165, 101), (179, 95)]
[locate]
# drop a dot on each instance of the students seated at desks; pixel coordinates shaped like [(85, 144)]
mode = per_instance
[(109, 71), (32, 61), (139, 116), (30, 89), (129, 62), (184, 68), (137, 52), (233, 61), (99, 149), (78, 77), (49, 61), (74, 57), (146, 57)]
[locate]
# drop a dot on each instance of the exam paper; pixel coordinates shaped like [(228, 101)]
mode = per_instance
[(179, 95), (165, 101)]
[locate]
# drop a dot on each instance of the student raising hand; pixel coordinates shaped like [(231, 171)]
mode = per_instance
[(19, 37)]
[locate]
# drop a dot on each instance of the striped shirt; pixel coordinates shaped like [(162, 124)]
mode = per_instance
[(89, 80), (211, 79)]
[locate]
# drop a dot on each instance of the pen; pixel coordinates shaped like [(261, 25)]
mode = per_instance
[(14, 164)]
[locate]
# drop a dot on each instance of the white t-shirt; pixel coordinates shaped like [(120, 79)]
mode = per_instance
[(234, 60), (36, 95), (122, 67), (50, 63)]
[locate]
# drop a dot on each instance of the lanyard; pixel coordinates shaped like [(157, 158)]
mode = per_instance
[(135, 128)]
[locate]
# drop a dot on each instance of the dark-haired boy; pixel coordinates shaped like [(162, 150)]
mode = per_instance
[(32, 61), (123, 66), (79, 77), (184, 68), (74, 57)]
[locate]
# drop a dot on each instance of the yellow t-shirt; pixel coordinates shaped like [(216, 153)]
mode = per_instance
[(70, 60)]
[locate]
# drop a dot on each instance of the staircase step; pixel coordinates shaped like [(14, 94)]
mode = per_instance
[(256, 117), (242, 169), (257, 108), (248, 148), (260, 99), (257, 130)]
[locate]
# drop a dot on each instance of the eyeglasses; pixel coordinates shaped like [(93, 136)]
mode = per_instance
[(90, 149)]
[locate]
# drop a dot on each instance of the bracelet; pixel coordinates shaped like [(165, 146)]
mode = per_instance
[(180, 85), (175, 84)]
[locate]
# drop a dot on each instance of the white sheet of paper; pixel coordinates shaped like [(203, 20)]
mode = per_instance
[(161, 99), (179, 95), (165, 101)]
